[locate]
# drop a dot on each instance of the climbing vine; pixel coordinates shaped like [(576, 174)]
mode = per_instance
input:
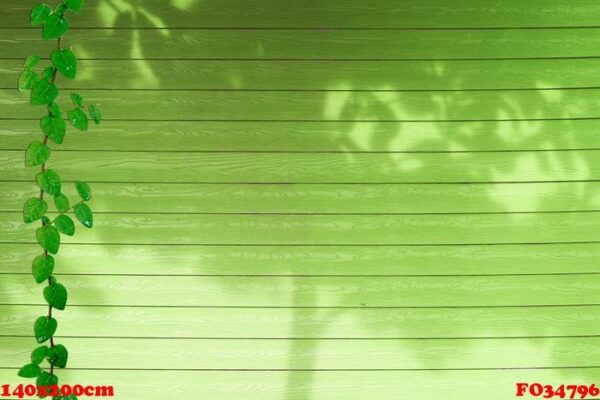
[(44, 92)]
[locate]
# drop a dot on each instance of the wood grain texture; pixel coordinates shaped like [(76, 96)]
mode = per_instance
[(299, 323), (350, 230), (322, 106), (190, 354), (283, 168), (319, 136), (323, 14), (330, 198), (480, 291), (335, 261), (342, 185), (310, 44), (320, 75)]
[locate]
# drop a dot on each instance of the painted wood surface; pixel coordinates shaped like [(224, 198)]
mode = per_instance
[(318, 200)]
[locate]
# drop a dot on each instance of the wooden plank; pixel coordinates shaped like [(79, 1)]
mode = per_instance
[(173, 291), (132, 322), (324, 106), (332, 198), (316, 136), (353, 230), (308, 44), (191, 354), (285, 168), (325, 385), (322, 14), (319, 75), (333, 261)]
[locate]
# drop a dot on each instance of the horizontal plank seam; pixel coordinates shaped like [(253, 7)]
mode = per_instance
[(338, 59), (324, 183), (592, 118), (319, 28), (524, 368), (564, 88), (224, 151), (585, 242), (365, 307), (314, 275), (407, 338), (319, 214), (566, 181)]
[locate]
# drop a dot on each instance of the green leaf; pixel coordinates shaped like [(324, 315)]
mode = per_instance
[(44, 328), (28, 79), (61, 202), (84, 190), (38, 355), (65, 62), (61, 8), (34, 209), (49, 238), (54, 127), (48, 73), (30, 371), (42, 268), (78, 119), (84, 214), (56, 296), (65, 225), (55, 26), (46, 221), (45, 379), (39, 13), (54, 109), (49, 181), (77, 99), (74, 5), (36, 154), (58, 356), (43, 92), (95, 113), (31, 61)]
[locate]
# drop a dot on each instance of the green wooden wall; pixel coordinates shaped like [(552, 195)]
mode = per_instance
[(319, 200)]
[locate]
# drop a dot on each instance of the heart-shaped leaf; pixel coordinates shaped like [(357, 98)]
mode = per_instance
[(65, 62), (78, 119), (65, 225), (77, 99), (46, 380), (37, 153), (31, 61), (54, 127), (84, 190), (38, 355), (28, 79), (49, 182), (74, 5), (56, 296), (49, 238), (42, 267), (44, 328), (58, 356), (43, 92), (84, 214), (30, 371), (61, 202), (34, 209), (95, 113), (55, 26), (39, 13)]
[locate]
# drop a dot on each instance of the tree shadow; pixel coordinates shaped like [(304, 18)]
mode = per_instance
[(501, 135)]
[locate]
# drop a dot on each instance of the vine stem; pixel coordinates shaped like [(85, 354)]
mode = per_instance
[(43, 169)]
